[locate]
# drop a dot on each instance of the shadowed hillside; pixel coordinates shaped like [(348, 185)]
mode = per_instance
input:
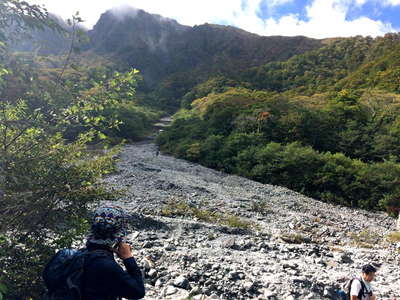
[(159, 46)]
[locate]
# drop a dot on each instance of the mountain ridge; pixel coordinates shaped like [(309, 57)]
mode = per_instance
[(160, 46)]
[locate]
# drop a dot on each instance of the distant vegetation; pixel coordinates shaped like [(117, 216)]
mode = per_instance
[(355, 63), (174, 208), (324, 123)]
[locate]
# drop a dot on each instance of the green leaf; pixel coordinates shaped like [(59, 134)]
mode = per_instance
[(3, 289), (102, 136)]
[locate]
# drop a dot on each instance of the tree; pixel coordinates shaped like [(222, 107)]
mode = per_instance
[(48, 178), (46, 184)]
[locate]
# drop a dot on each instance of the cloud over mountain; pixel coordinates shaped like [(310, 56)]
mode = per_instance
[(312, 18)]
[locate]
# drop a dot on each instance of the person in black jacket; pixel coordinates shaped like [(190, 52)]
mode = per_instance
[(104, 278)]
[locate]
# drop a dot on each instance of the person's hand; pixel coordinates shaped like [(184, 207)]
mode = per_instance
[(123, 250)]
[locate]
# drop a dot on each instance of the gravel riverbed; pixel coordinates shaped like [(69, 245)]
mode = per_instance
[(295, 248)]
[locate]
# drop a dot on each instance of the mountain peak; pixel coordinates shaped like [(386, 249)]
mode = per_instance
[(128, 14), (161, 46)]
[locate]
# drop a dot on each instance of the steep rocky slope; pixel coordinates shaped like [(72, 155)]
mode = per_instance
[(209, 235), (160, 46)]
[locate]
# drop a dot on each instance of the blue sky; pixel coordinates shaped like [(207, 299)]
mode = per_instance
[(375, 10), (313, 18)]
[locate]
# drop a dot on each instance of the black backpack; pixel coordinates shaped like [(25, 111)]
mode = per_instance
[(64, 273)]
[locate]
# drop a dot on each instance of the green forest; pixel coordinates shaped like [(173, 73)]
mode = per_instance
[(324, 123), (321, 119)]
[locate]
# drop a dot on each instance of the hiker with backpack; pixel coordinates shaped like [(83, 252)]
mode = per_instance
[(92, 273), (359, 288)]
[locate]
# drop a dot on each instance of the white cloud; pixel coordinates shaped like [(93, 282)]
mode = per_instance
[(325, 18), (278, 2), (391, 2), (90, 10), (361, 2), (188, 12)]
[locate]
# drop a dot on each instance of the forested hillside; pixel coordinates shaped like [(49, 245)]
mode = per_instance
[(324, 123), (173, 58), (359, 62)]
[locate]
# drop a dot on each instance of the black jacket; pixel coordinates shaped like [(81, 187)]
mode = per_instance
[(104, 279)]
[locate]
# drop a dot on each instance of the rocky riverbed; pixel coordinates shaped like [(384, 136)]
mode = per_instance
[(203, 234)]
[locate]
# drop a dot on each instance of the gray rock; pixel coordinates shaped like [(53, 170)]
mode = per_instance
[(170, 247), (232, 263), (168, 291), (181, 282), (152, 273), (248, 285)]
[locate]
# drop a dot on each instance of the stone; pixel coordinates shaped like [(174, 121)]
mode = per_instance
[(147, 244), (195, 291), (248, 285), (229, 243), (181, 282), (179, 295), (147, 263), (152, 273), (233, 275), (168, 291), (344, 258), (269, 294), (170, 247), (311, 296), (158, 283)]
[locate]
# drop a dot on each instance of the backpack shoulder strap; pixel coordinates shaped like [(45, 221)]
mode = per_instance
[(362, 290), (347, 287)]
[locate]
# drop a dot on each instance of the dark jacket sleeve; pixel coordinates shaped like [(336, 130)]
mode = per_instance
[(128, 284)]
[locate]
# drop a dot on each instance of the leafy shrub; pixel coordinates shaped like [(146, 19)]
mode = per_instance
[(261, 207), (175, 208)]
